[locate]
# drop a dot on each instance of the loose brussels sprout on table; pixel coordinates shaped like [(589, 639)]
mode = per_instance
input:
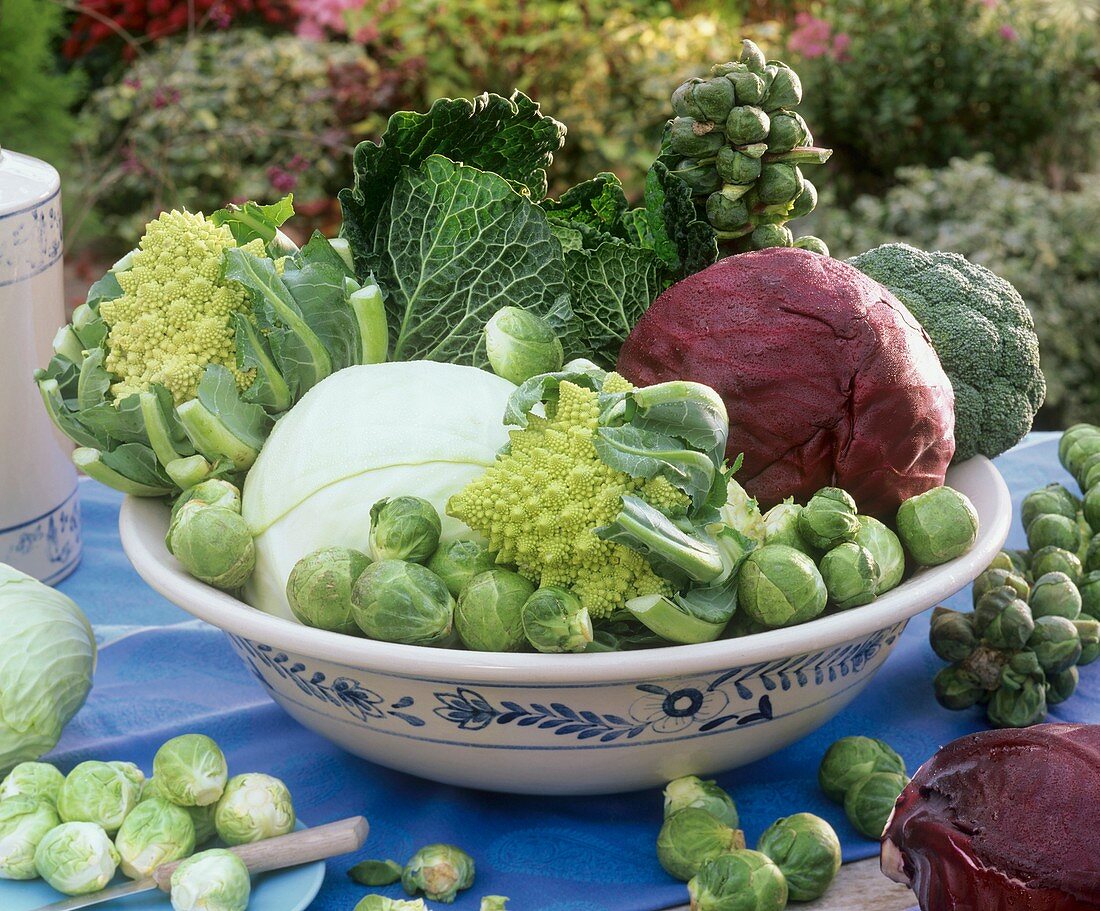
[(489, 613), (869, 802), (938, 525), (76, 858), (376, 872), (382, 903), (457, 562), (740, 880), (520, 344), (320, 585), (97, 792), (398, 601), (691, 837), (554, 620), (440, 872), (493, 903), (829, 519), (404, 528), (852, 759), (33, 779), (691, 791), (202, 818), (215, 880), (806, 850), (191, 770), (155, 832), (780, 586), (24, 822), (253, 807)]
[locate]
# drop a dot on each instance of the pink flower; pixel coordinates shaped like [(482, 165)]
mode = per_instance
[(281, 180), (319, 18), (810, 37), (841, 42), (990, 4), (1008, 33)]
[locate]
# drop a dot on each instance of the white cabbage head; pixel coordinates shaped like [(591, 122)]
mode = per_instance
[(47, 657), (366, 432)]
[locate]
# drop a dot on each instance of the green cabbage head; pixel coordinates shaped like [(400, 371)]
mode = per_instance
[(368, 432), (47, 658)]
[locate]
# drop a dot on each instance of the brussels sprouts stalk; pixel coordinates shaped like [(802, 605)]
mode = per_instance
[(374, 333), (212, 438), (90, 461), (188, 472), (801, 155), (669, 621), (156, 428)]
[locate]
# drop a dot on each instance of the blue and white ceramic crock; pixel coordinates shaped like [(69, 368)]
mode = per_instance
[(39, 508)]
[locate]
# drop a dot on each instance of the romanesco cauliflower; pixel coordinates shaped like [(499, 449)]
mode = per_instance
[(175, 314), (541, 501)]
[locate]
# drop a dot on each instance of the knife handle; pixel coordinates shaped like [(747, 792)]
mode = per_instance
[(300, 847)]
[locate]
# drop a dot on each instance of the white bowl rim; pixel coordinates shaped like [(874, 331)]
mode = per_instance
[(160, 570)]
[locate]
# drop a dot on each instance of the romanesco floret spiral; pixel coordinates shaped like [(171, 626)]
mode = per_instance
[(174, 316), (540, 503)]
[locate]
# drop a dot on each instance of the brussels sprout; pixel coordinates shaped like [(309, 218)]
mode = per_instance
[(1062, 685), (1056, 559), (1090, 562), (780, 586), (1081, 448), (395, 601), (691, 791), (494, 903), (956, 688), (1020, 701), (76, 858), (806, 850), (376, 872), (691, 837), (765, 236), (683, 101), (785, 88), (190, 770), (202, 818), (155, 832), (781, 526), (457, 562), (214, 880), (1054, 499), (1090, 507), (381, 903), (804, 204), (938, 525), (739, 881), (24, 822), (33, 779), (254, 807), (1071, 436), (1050, 530), (1056, 643), (555, 621), (701, 177), (851, 759), (520, 344), (131, 771), (1002, 619), (1089, 475), (850, 574), (1088, 630), (869, 802), (489, 614), (1002, 560), (214, 544), (439, 871), (1089, 590), (808, 241), (746, 124), (1055, 595), (696, 138), (780, 184), (995, 577), (320, 585), (715, 98), (738, 170), (751, 56), (829, 519), (727, 211), (748, 86), (1021, 562), (404, 528), (788, 130), (97, 792), (952, 634)]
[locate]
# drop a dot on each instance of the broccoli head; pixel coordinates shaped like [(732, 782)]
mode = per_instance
[(984, 335)]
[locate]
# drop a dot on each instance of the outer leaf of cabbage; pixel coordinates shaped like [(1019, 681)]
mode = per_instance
[(366, 432), (47, 658)]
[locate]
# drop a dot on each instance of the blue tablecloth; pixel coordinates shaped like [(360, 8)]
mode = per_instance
[(161, 674)]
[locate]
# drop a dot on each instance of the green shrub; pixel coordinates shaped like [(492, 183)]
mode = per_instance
[(36, 96), (223, 116), (1046, 243), (919, 82)]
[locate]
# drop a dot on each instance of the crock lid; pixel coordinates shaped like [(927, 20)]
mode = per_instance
[(25, 182)]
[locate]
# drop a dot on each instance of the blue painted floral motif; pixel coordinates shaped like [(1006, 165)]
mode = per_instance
[(735, 698)]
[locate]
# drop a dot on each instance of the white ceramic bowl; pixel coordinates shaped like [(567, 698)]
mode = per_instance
[(570, 724)]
